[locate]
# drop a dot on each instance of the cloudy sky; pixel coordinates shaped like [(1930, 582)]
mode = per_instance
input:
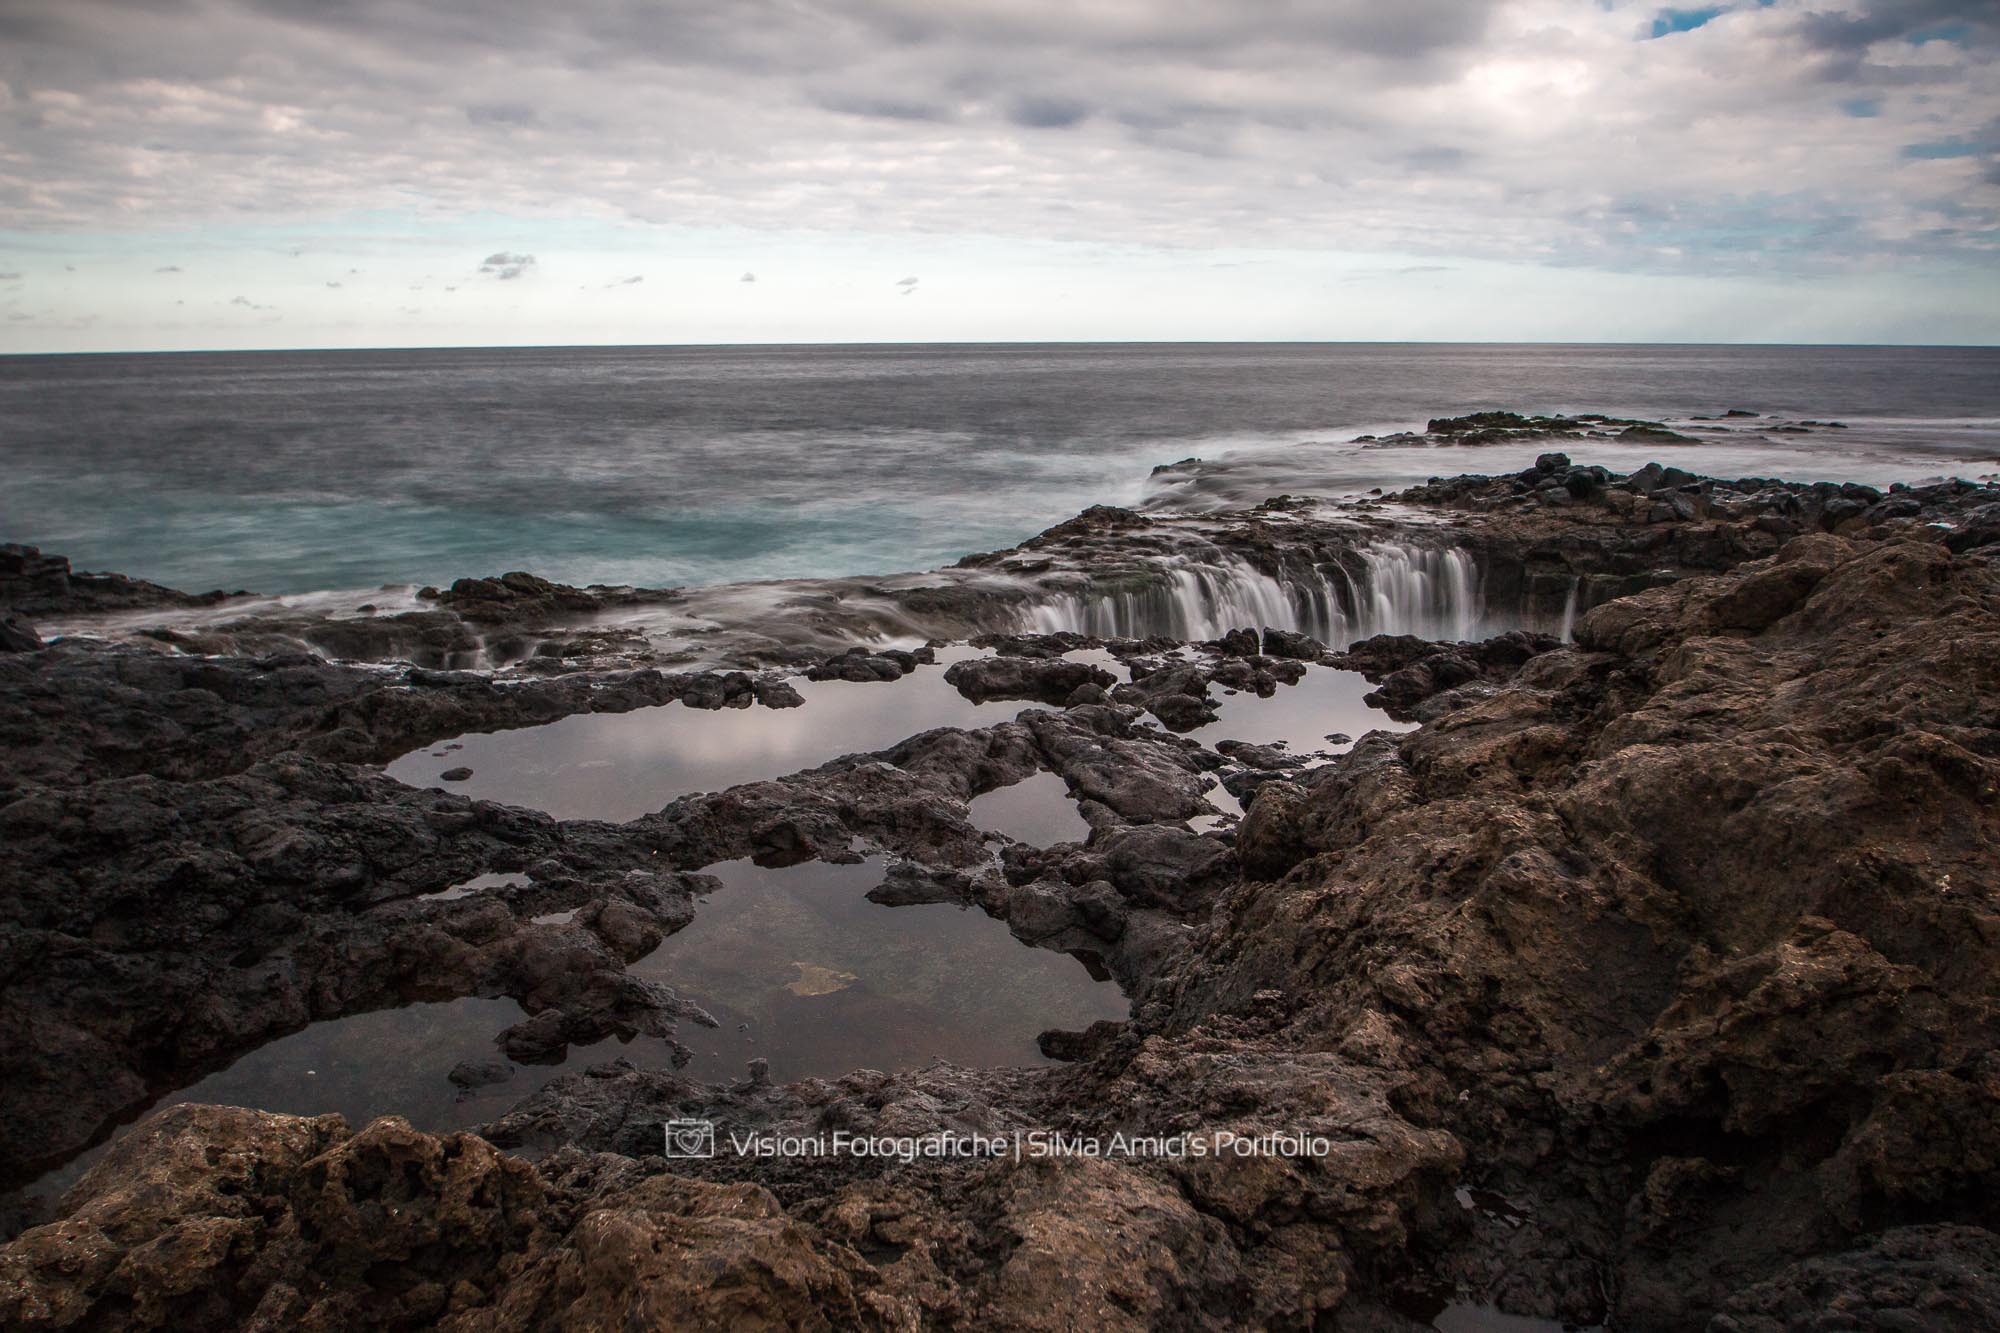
[(308, 173)]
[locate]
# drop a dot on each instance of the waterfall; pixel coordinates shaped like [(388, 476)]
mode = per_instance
[(1426, 591), (1568, 634), (1421, 590)]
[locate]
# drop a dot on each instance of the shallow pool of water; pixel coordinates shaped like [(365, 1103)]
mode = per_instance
[(619, 766), (492, 879), (363, 1066), (803, 970), (1228, 810), (1325, 703), (1037, 810)]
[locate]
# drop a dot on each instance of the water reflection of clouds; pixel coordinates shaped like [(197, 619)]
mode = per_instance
[(618, 766), (887, 987), (1302, 716)]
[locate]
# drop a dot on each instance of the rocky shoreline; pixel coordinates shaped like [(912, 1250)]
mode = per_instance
[(1648, 982)]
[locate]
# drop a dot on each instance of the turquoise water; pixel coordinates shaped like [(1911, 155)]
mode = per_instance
[(295, 471)]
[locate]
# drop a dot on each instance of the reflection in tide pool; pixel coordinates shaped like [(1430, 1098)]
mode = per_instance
[(803, 970), (1228, 810), (492, 879), (1326, 702), (363, 1066), (619, 766), (1037, 810)]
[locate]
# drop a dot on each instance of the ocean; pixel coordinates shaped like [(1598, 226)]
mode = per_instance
[(289, 472)]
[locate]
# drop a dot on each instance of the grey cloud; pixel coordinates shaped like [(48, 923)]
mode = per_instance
[(886, 108), (748, 277), (1286, 123), (168, 268), (1968, 22), (248, 304), (1048, 113), (506, 265), (501, 113), (632, 281), (1435, 158), (334, 285), (10, 277)]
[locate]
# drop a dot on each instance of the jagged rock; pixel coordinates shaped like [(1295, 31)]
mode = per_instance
[(1945, 1278), (1680, 942), (1159, 865), (17, 636), (863, 665), (34, 584), (1176, 694), (523, 598), (163, 926), (1286, 643), (1047, 680), (1979, 528)]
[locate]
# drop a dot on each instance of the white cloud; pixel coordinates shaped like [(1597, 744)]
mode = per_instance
[(1771, 140)]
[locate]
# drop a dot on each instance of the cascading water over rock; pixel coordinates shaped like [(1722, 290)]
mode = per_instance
[(1397, 589)]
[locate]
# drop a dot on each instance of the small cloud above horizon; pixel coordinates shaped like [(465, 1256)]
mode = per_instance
[(506, 265)]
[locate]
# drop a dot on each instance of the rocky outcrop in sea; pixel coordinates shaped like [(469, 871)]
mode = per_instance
[(1641, 975)]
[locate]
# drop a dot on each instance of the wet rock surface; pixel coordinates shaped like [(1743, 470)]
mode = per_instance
[(519, 597), (1047, 680), (35, 585), (1671, 948), (1413, 671)]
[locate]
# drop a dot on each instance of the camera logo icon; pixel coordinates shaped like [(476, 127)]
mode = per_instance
[(690, 1138)]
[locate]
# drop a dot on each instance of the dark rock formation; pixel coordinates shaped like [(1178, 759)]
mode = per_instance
[(1652, 980), (520, 598), (1286, 643), (18, 636), (1412, 671), (1049, 680), (871, 664), (40, 586)]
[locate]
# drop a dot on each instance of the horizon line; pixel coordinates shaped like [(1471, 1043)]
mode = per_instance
[(996, 342)]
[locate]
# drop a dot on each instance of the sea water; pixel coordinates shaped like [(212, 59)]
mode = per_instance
[(290, 472)]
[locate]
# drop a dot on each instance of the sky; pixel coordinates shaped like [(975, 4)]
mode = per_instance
[(193, 174)]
